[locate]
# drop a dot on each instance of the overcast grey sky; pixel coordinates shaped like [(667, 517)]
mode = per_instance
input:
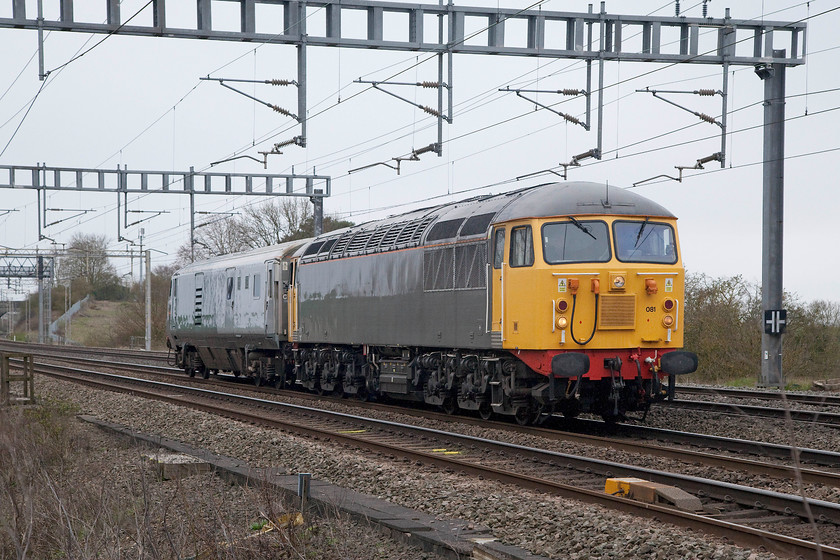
[(139, 102)]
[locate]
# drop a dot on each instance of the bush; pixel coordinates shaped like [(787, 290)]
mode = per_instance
[(724, 324)]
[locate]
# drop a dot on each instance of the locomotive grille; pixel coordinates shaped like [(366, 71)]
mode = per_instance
[(357, 244), (617, 312), (391, 236), (455, 268), (407, 234), (341, 243), (438, 273), (376, 238), (197, 309), (198, 301), (470, 266), (421, 229)]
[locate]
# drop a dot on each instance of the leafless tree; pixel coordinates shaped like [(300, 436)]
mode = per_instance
[(269, 224), (257, 226), (87, 260)]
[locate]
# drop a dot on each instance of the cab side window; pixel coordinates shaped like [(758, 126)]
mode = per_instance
[(521, 247), (499, 248)]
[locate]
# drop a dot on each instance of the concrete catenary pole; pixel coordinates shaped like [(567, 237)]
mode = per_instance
[(772, 288)]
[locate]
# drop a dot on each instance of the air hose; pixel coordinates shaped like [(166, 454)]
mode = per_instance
[(594, 322)]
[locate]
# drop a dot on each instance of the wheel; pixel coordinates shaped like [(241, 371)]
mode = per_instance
[(205, 373), (523, 415), (570, 409), (613, 419), (362, 394), (449, 406), (543, 415), (485, 411), (191, 371), (259, 381)]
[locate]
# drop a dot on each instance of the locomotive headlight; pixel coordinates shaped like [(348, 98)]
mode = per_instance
[(562, 305), (667, 321), (562, 322), (668, 304), (618, 281)]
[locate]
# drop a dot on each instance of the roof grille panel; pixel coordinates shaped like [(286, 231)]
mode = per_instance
[(341, 243), (376, 238), (391, 236), (357, 244)]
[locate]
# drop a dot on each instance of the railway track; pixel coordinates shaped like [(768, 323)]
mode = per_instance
[(825, 418), (586, 432), (831, 419), (768, 395), (734, 511), (74, 351)]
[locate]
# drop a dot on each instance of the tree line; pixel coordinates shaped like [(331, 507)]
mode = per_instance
[(724, 322)]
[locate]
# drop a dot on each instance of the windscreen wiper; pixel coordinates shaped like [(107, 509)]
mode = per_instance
[(641, 230), (582, 228)]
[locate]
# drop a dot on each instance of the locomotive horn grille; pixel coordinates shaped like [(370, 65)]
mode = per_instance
[(617, 312)]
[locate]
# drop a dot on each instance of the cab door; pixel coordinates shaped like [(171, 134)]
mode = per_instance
[(273, 321), (291, 301), (229, 298), (498, 262), (519, 288), (285, 283)]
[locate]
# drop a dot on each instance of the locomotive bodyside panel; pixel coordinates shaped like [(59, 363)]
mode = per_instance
[(380, 300)]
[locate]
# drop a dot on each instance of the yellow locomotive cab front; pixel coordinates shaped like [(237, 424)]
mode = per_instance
[(608, 286)]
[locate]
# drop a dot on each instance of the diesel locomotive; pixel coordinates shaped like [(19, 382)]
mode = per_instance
[(563, 297)]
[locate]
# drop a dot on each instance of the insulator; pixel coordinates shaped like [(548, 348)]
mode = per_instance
[(705, 117), (677, 8), (571, 119), (703, 92), (584, 155), (428, 148), (705, 8), (279, 145), (281, 110), (430, 111), (280, 82), (570, 91), (429, 84), (714, 157)]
